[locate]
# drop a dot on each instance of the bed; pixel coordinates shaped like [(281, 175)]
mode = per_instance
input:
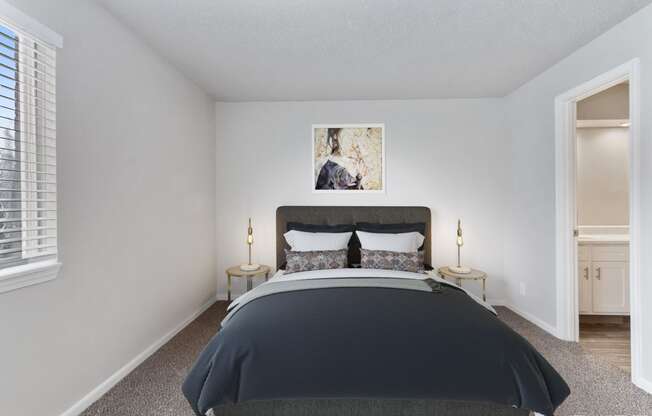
[(367, 342)]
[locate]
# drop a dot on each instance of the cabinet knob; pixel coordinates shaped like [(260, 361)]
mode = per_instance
[(597, 273)]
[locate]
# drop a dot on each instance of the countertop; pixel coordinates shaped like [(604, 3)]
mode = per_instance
[(603, 238)]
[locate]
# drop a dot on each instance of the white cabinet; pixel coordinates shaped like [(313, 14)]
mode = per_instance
[(603, 274), (610, 287)]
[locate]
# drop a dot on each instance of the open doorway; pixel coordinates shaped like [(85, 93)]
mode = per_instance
[(569, 268), (602, 200)]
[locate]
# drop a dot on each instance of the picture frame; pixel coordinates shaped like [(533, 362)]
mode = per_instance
[(348, 158)]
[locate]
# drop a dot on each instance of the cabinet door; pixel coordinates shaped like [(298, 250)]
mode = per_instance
[(610, 287), (584, 276)]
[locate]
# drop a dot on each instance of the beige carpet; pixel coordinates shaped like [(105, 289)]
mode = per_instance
[(153, 389)]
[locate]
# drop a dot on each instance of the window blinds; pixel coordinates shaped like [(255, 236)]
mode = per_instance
[(28, 204)]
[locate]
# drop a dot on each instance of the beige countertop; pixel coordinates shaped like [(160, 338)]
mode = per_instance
[(603, 238)]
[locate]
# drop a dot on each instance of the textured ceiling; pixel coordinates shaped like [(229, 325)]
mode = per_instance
[(240, 50)]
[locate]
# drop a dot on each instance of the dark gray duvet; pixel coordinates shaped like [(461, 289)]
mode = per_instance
[(370, 342)]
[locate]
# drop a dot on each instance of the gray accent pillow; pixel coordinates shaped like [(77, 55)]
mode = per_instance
[(392, 260), (302, 261)]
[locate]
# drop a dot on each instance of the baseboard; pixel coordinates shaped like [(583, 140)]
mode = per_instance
[(536, 321), (115, 378), (643, 384)]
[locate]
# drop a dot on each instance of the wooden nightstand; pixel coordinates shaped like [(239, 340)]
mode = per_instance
[(236, 272), (444, 272)]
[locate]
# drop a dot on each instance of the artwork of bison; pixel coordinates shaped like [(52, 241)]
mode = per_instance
[(334, 176), (348, 158)]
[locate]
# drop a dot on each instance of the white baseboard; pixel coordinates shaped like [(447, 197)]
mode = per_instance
[(536, 321), (115, 378), (643, 384)]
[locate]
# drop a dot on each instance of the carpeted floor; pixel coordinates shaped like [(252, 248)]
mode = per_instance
[(153, 389)]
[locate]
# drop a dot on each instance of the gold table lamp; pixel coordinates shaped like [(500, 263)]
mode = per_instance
[(460, 242), (250, 241)]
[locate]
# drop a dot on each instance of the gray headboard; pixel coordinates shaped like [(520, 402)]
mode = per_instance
[(348, 215)]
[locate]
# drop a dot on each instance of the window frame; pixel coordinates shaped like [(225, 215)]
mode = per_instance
[(46, 268)]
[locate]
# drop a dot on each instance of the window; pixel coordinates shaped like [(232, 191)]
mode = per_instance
[(28, 181)]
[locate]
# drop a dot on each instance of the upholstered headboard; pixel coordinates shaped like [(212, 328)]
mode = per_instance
[(348, 215)]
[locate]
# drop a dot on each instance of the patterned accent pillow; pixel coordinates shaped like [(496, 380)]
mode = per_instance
[(301, 261), (392, 260)]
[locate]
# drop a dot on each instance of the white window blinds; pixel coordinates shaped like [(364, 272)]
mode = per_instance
[(28, 198)]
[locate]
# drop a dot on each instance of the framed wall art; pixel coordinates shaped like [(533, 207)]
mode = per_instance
[(348, 158)]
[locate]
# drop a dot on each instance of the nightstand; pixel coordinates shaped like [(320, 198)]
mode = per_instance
[(235, 271), (444, 272)]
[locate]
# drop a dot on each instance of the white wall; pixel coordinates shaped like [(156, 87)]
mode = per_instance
[(448, 155), (603, 176), (136, 160), (530, 242)]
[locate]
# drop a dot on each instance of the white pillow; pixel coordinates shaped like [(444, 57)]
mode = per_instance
[(402, 242), (305, 241)]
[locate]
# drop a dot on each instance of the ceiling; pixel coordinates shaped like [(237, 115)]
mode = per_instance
[(269, 50)]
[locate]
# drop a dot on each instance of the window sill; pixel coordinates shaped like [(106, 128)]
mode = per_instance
[(13, 278)]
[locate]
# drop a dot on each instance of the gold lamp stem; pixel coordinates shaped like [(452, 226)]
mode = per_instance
[(250, 267), (460, 241), (250, 239), (459, 269)]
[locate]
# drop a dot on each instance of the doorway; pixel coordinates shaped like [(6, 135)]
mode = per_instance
[(572, 261), (602, 201)]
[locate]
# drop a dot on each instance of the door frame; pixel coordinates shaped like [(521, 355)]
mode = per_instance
[(566, 205)]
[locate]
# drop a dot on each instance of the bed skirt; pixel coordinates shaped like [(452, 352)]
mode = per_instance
[(361, 407)]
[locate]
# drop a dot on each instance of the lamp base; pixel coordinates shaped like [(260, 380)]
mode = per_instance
[(249, 267), (460, 270)]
